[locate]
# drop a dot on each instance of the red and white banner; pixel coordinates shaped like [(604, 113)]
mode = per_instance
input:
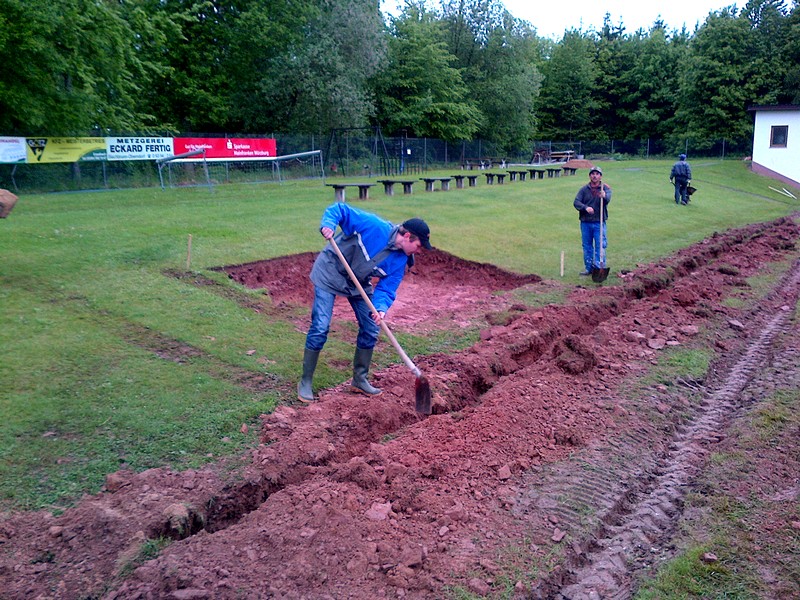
[(228, 148)]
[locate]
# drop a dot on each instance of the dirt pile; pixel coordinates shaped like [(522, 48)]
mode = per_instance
[(579, 163), (357, 497)]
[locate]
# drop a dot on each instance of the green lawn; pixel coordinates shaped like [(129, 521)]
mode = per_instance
[(85, 297)]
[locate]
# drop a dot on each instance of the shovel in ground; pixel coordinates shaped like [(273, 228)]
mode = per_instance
[(600, 274)]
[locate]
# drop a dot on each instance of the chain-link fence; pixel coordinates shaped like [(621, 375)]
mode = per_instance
[(363, 152)]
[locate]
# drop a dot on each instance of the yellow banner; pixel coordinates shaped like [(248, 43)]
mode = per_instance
[(52, 150)]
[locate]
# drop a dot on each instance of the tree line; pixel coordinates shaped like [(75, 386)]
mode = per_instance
[(450, 69)]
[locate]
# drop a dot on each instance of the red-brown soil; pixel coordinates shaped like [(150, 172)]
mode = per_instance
[(536, 449), (442, 291), (579, 163)]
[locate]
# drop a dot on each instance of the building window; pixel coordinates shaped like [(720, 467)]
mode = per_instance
[(778, 136)]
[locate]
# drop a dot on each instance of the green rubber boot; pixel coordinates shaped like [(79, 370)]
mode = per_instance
[(361, 362), (305, 392)]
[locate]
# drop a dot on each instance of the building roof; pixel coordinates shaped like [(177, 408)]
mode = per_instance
[(773, 107)]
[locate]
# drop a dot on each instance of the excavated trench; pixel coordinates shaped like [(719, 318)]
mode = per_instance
[(532, 444)]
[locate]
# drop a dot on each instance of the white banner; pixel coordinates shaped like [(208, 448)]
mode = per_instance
[(138, 148), (13, 149)]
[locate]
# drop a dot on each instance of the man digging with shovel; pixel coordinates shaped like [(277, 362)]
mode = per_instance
[(367, 247), (592, 206)]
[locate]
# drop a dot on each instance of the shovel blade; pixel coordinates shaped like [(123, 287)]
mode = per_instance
[(600, 274), (422, 392)]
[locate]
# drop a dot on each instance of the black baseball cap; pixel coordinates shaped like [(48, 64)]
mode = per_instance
[(420, 229)]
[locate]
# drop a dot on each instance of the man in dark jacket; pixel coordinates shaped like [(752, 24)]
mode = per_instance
[(373, 248), (592, 206), (680, 177)]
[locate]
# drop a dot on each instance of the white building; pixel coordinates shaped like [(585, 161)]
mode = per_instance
[(776, 142)]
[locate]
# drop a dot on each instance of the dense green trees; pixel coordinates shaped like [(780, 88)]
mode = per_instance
[(77, 67), (569, 99), (498, 56), (311, 73), (421, 89), (452, 69), (735, 61)]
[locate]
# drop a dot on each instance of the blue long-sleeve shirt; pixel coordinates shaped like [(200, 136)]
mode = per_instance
[(364, 236), (681, 169)]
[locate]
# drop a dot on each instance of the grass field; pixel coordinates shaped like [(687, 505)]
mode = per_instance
[(87, 295)]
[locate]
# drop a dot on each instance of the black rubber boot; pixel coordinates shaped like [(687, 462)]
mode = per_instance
[(361, 362), (305, 393)]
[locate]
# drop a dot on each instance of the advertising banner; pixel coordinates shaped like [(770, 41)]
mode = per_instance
[(228, 148), (12, 149), (54, 149), (138, 148)]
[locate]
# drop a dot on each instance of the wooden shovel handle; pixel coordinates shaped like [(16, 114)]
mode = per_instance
[(409, 363)]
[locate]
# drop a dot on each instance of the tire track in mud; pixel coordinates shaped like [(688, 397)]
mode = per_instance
[(637, 512)]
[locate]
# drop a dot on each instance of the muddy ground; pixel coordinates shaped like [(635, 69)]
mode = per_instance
[(550, 468)]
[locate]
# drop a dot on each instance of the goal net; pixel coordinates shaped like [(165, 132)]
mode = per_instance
[(195, 169), (184, 170)]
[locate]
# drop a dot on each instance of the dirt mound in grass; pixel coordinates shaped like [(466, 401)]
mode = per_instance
[(534, 451), (579, 163)]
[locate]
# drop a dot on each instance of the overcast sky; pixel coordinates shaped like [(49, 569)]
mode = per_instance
[(551, 19)]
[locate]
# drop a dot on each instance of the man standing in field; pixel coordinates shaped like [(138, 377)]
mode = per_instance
[(592, 206), (680, 177), (374, 248)]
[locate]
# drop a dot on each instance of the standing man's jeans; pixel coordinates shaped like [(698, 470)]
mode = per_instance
[(590, 237), (322, 313), (681, 191)]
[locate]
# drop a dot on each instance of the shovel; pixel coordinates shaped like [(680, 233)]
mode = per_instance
[(600, 274), (422, 389)]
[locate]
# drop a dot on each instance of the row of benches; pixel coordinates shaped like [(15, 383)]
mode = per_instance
[(388, 184)]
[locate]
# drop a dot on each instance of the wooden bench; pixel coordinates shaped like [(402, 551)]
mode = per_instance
[(553, 171), (388, 185), (460, 180), (430, 181), (569, 170), (536, 173), (339, 190), (490, 178), (514, 174)]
